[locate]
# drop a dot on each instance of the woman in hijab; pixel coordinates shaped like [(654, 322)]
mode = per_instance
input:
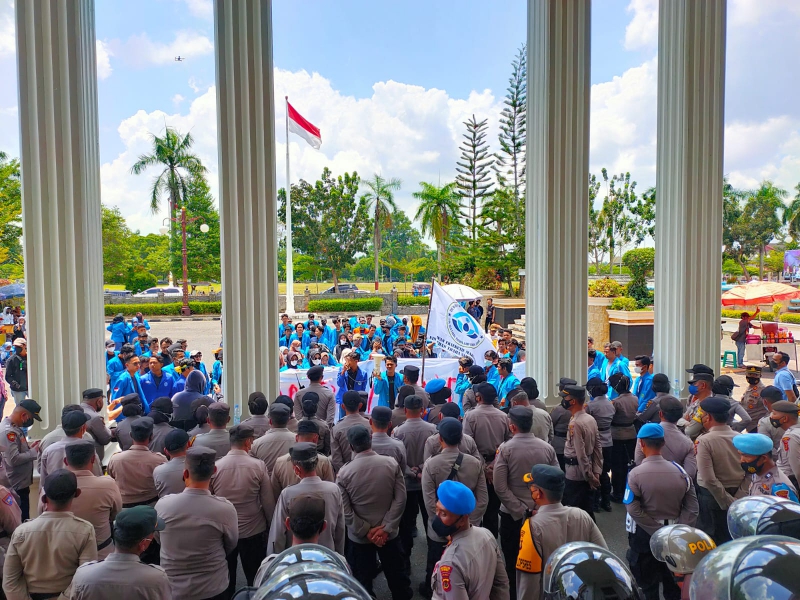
[(119, 331), (199, 410), (20, 330), (344, 343)]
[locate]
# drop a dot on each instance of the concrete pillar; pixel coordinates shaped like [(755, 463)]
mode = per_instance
[(691, 97), (557, 198), (248, 197), (63, 247)]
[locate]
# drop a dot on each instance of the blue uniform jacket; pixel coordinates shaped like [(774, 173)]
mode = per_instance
[(304, 341), (643, 389), (216, 373), (493, 377), (380, 387), (129, 385), (506, 385), (165, 388), (119, 332), (594, 371), (341, 383), (618, 366), (114, 368)]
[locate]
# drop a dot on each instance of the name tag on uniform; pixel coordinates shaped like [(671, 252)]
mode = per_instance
[(630, 524)]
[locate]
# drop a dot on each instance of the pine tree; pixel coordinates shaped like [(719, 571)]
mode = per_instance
[(510, 165), (473, 179)]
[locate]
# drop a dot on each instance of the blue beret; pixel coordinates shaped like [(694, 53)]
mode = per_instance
[(754, 444), (715, 405), (456, 497), (434, 385), (650, 431)]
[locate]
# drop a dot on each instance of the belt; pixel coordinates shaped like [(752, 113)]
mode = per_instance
[(622, 424), (43, 595), (105, 544), (142, 503), (606, 428), (572, 461), (560, 434)]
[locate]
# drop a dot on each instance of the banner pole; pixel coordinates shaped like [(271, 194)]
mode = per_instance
[(289, 250), (427, 325)]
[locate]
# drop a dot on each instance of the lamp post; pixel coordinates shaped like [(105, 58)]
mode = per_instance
[(183, 220)]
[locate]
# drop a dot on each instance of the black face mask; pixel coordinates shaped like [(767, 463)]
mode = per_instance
[(750, 467), (565, 403), (28, 423), (441, 529), (775, 423), (753, 380)]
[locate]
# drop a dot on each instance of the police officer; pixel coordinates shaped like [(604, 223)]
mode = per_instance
[(719, 474), (309, 406), (326, 407), (467, 445), (658, 493), (374, 496), (161, 413), (770, 395), (458, 575), (514, 459), (751, 399), (57, 434), (560, 417), (451, 464), (488, 425), (677, 447), (661, 387), (410, 375), (551, 526), (291, 425), (304, 460), (200, 531), (542, 423), (439, 393), (380, 421), (92, 405), (340, 447), (122, 574), (244, 481), (99, 500), (602, 410), (681, 548), (168, 478), (583, 454), (10, 519), (257, 405), (766, 479), (283, 473), (277, 441), (784, 417), (131, 408), (623, 433), (218, 439), (18, 455), (475, 376), (133, 469), (73, 424)]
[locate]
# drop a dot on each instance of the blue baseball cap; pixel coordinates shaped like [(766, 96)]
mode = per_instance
[(650, 431), (434, 385), (456, 497), (753, 444)]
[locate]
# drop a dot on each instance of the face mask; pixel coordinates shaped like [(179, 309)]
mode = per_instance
[(342, 341), (565, 404), (488, 363), (750, 467), (315, 361), (293, 363), (775, 423), (752, 381), (637, 370), (441, 529), (28, 423), (693, 389)]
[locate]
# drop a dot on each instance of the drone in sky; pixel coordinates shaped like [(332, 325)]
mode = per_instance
[(180, 58)]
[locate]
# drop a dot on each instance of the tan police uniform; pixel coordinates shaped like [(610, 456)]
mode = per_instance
[(259, 423), (413, 434), (771, 483), (437, 469), (542, 424), (386, 445), (217, 439), (467, 445), (583, 457), (420, 392), (292, 424), (272, 445), (160, 432), (340, 447), (44, 554), (754, 405), (96, 428), (471, 567), (10, 519), (623, 435), (788, 453), (201, 530), (552, 526), (561, 418), (52, 437), (333, 535), (133, 472), (18, 456), (52, 459), (99, 504), (468, 400), (123, 432), (120, 576), (198, 429), (168, 478), (398, 417), (677, 448), (324, 441), (283, 474), (773, 433), (326, 408), (488, 426)]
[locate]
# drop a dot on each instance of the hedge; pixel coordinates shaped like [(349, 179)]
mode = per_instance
[(737, 314), (606, 288), (346, 305), (153, 309), (791, 318), (623, 303), (413, 300)]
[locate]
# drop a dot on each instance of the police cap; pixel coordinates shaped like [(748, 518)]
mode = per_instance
[(546, 477), (456, 497), (302, 451), (450, 431), (651, 431), (786, 407), (753, 444)]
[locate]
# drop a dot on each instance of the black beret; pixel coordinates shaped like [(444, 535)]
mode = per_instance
[(162, 405), (487, 392), (382, 414), (546, 477), (306, 426), (660, 378), (142, 426), (450, 431), (61, 485), (522, 416), (130, 399), (303, 451), (241, 432), (200, 455), (670, 404), (772, 393), (74, 420), (315, 373), (279, 409), (92, 393), (576, 391), (450, 409), (413, 402), (351, 399), (358, 435), (701, 368), (715, 405), (285, 400), (176, 439)]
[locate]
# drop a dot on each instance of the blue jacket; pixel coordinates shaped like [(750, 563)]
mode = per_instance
[(462, 385), (129, 385), (493, 377), (360, 384), (119, 332), (216, 373), (618, 366), (506, 385), (643, 389), (329, 337), (599, 359), (594, 371), (137, 347), (114, 368), (153, 391), (202, 368), (380, 387), (304, 341)]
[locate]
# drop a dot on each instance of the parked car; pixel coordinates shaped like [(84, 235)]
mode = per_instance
[(169, 292), (345, 288), (118, 293)]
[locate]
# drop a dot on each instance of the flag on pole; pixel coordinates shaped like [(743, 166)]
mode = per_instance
[(307, 131), (453, 330)]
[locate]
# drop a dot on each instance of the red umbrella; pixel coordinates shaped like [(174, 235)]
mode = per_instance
[(759, 292)]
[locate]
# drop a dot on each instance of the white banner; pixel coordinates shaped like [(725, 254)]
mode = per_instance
[(454, 330), (435, 368)]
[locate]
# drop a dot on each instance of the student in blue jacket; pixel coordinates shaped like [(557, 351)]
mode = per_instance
[(128, 382), (116, 366), (351, 377), (594, 370), (157, 382), (300, 334), (490, 366), (508, 381), (386, 385), (119, 331), (216, 370), (462, 380), (197, 357)]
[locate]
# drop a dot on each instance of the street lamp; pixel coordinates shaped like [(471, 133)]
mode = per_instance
[(183, 220)]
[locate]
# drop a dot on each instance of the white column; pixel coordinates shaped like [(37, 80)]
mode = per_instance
[(248, 197), (63, 247), (557, 198), (691, 98)]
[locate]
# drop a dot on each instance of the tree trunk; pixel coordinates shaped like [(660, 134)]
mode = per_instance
[(439, 261), (376, 244), (335, 281), (761, 263), (743, 265)]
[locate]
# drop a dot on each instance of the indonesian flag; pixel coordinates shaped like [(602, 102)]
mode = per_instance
[(298, 125)]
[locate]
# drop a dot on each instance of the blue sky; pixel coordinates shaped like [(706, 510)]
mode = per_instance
[(390, 84)]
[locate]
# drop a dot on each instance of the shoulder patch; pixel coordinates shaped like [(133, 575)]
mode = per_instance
[(9, 500), (445, 571), (628, 497), (785, 441), (11, 436)]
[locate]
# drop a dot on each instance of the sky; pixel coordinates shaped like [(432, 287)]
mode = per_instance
[(390, 84)]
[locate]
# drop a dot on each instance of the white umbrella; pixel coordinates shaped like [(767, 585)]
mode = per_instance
[(461, 293)]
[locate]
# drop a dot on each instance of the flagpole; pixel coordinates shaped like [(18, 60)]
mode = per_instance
[(289, 257), (425, 337)]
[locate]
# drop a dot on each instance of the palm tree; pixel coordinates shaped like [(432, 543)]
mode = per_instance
[(173, 153), (791, 216), (437, 211), (380, 201)]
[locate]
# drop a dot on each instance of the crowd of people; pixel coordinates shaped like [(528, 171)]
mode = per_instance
[(506, 489)]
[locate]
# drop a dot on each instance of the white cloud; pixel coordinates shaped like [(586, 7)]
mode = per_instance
[(140, 51), (8, 44), (203, 9), (177, 99), (759, 150), (103, 60), (748, 13), (642, 32)]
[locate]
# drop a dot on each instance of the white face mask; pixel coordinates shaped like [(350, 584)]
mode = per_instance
[(342, 341), (637, 370), (315, 361), (293, 363), (488, 363)]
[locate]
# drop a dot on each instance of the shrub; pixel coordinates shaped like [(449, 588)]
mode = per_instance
[(606, 288), (413, 300), (483, 278), (139, 280), (170, 309), (728, 313), (623, 303), (641, 262), (737, 314), (777, 308), (346, 305), (791, 318)]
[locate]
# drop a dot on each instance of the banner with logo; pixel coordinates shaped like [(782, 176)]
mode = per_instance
[(455, 332)]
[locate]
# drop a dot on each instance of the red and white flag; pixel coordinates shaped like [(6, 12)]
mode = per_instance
[(307, 131)]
